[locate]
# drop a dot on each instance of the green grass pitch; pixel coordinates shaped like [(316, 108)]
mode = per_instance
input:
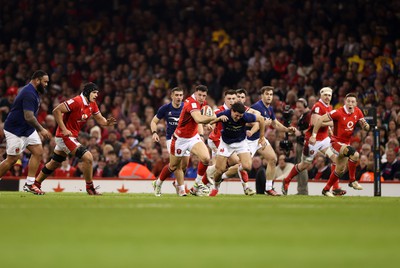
[(140, 230)]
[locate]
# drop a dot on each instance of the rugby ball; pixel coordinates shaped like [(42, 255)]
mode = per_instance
[(207, 111)]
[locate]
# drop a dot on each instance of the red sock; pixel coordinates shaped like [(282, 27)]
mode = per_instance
[(292, 173), (165, 173), (352, 170), (201, 169), (336, 184), (245, 176), (204, 179), (332, 179)]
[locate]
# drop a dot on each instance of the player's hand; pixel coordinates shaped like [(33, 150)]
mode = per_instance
[(291, 130), (155, 137), (209, 127), (248, 133), (364, 124), (312, 140), (224, 118), (45, 134), (111, 121), (66, 133), (262, 142)]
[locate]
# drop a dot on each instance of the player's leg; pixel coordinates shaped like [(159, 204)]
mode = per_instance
[(269, 155), (244, 167), (220, 168), (341, 162), (87, 160), (34, 144), (354, 157), (202, 152)]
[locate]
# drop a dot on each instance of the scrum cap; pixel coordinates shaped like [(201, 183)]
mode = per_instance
[(325, 90)]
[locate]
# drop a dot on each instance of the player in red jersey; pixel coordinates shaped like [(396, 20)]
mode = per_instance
[(186, 138), (71, 115), (322, 143), (344, 120)]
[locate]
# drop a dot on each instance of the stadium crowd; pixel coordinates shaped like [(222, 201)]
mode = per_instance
[(137, 51)]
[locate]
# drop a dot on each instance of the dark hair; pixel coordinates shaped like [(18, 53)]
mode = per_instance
[(266, 88), (38, 74), (176, 89), (242, 90), (230, 92), (350, 95), (89, 88), (238, 107), (201, 88)]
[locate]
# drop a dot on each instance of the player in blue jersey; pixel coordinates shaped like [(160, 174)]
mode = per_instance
[(22, 129), (266, 110), (170, 112), (233, 139)]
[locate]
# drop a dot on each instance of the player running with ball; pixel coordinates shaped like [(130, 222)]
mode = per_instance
[(344, 121)]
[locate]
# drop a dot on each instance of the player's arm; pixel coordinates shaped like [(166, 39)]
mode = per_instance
[(153, 128), (202, 119), (315, 117), (102, 121), (261, 121), (58, 116), (279, 126), (321, 121), (31, 119), (252, 111)]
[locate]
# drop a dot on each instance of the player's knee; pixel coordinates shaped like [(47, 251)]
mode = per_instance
[(349, 151), (246, 166), (272, 161), (87, 158), (355, 157), (58, 158)]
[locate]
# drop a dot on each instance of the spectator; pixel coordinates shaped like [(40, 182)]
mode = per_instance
[(66, 170), (321, 170), (191, 171), (258, 172), (111, 169), (282, 168), (391, 167)]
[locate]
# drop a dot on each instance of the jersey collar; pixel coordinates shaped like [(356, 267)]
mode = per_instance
[(345, 109), (84, 100), (326, 105), (225, 107)]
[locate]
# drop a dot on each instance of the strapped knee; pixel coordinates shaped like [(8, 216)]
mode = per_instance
[(80, 151), (58, 158), (350, 151), (47, 171)]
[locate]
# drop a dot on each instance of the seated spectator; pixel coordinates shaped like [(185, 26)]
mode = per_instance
[(321, 170), (16, 170), (126, 157), (391, 167), (158, 165), (363, 166), (283, 168), (99, 168), (258, 172), (66, 170), (110, 170)]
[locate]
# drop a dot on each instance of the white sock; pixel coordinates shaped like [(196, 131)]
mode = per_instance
[(224, 176), (198, 179), (181, 187), (268, 185), (159, 182), (30, 180), (245, 185)]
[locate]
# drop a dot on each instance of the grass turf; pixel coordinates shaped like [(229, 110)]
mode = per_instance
[(140, 230)]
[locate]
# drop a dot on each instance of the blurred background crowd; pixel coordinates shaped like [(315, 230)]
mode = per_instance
[(137, 50)]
